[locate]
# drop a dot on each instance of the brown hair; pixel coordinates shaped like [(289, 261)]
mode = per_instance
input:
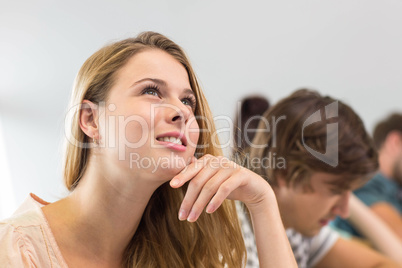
[(288, 138), (383, 128), (161, 240), (247, 117)]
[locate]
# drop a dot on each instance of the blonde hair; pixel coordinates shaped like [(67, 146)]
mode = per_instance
[(161, 240)]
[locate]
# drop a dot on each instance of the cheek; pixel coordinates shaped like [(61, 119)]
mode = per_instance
[(125, 129), (328, 204), (319, 204), (135, 129), (193, 131)]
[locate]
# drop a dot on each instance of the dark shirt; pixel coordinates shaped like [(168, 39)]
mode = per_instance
[(378, 189)]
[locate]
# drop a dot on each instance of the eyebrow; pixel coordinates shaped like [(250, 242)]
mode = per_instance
[(339, 184), (189, 91), (155, 80), (162, 83)]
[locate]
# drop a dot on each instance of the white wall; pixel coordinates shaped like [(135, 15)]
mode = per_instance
[(350, 49), (7, 199)]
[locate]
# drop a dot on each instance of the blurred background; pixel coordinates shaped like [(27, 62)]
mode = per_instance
[(349, 49)]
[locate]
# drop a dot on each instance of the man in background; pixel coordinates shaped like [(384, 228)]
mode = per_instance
[(327, 154)]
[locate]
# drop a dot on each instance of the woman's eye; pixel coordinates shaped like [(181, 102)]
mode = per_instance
[(151, 91), (337, 191), (186, 102), (189, 102)]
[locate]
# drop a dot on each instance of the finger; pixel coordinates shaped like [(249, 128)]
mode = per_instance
[(190, 171), (207, 192), (225, 189), (193, 190)]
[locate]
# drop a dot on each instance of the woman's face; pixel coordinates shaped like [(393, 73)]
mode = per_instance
[(148, 125)]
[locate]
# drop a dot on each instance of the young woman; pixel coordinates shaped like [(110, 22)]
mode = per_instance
[(142, 164)]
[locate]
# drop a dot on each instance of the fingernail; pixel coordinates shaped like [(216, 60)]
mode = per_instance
[(182, 214), (191, 217), (210, 208), (174, 182)]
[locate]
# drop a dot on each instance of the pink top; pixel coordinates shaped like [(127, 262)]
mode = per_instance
[(26, 239)]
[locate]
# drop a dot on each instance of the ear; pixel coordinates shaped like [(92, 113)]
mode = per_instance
[(393, 141), (281, 182), (89, 115)]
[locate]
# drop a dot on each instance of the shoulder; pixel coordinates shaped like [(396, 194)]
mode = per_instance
[(325, 238), (310, 250), (23, 238), (26, 217), (18, 236)]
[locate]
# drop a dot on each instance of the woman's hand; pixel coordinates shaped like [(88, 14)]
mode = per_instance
[(212, 180)]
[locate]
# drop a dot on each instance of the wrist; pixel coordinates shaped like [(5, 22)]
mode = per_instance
[(265, 203)]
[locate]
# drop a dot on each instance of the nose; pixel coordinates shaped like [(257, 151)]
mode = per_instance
[(342, 206), (177, 112)]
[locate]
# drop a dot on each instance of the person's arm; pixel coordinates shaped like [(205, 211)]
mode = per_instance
[(390, 216), (374, 229), (213, 179), (266, 222), (352, 254)]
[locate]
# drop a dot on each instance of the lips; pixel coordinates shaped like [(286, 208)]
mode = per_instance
[(326, 221), (173, 137)]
